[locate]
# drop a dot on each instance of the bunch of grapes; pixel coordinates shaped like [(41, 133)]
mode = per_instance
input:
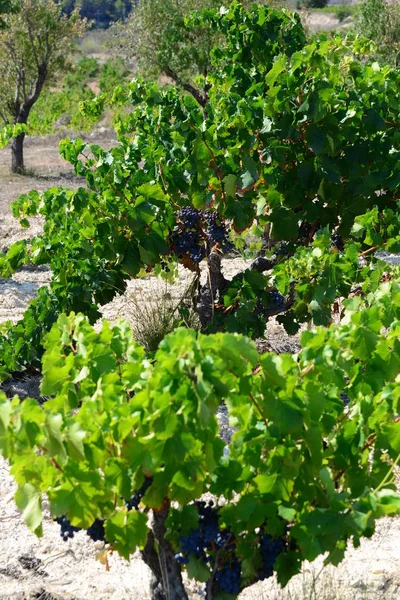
[(198, 541), (137, 496), (207, 540), (196, 230), (187, 235), (216, 230), (304, 229), (270, 549), (217, 547), (67, 531), (228, 576), (337, 242), (190, 217), (276, 301), (96, 531)]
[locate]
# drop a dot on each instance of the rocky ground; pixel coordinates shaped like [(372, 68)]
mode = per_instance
[(49, 569)]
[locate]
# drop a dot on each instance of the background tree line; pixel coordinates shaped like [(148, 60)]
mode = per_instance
[(102, 12)]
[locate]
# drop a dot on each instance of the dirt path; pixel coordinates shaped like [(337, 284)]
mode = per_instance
[(50, 569)]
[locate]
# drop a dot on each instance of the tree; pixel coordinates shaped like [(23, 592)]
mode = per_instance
[(379, 21), (156, 35), (33, 48)]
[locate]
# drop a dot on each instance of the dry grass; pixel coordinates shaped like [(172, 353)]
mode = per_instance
[(152, 318)]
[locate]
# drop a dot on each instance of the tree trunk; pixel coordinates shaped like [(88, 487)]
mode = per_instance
[(166, 581), (17, 154), (211, 291)]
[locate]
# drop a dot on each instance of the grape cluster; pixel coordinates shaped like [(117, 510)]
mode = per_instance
[(270, 549), (208, 540), (135, 499), (216, 230), (187, 236), (67, 531), (276, 301), (96, 531), (228, 576), (337, 241), (195, 230), (190, 217), (305, 229), (217, 547), (198, 541)]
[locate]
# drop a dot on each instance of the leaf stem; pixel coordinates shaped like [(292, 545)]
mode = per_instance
[(388, 474)]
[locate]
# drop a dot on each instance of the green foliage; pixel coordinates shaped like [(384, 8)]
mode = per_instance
[(292, 133), (298, 140), (114, 418), (35, 45), (114, 72), (156, 35), (64, 102), (341, 11), (7, 7), (379, 21), (10, 131)]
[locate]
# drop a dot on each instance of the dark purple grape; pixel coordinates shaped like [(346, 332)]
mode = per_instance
[(67, 531), (305, 229), (137, 496), (337, 241), (270, 549), (189, 217), (228, 576), (276, 301), (96, 531)]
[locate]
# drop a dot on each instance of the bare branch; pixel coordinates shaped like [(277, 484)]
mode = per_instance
[(197, 95)]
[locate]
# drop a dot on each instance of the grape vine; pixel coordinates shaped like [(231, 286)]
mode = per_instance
[(153, 428), (299, 138), (298, 142)]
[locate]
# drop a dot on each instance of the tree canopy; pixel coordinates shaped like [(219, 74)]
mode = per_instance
[(35, 45)]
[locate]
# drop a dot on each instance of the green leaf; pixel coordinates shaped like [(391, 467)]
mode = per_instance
[(247, 179), (198, 570), (265, 483), (230, 184), (127, 531), (278, 67), (316, 139), (29, 500)]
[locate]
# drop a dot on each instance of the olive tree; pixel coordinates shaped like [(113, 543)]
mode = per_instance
[(379, 20), (156, 36), (34, 47)]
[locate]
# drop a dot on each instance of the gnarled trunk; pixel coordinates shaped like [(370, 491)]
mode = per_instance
[(17, 154), (166, 581)]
